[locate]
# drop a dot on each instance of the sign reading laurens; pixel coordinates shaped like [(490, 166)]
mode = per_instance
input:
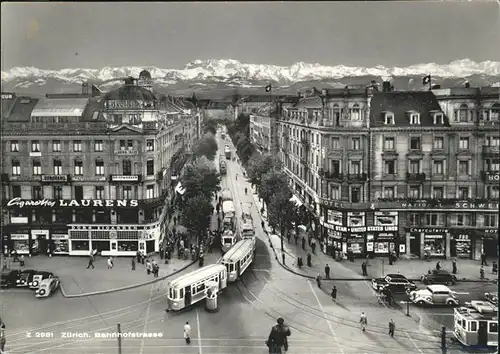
[(93, 203)]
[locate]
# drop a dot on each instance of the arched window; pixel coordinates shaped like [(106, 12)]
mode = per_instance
[(336, 113), (495, 112), (462, 115), (355, 112)]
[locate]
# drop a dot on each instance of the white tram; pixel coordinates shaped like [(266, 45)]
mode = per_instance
[(191, 288), (247, 229), (476, 325), (228, 239), (238, 258)]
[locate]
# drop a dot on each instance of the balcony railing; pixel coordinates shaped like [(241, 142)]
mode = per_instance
[(490, 176), (357, 177), (303, 161), (416, 177), (101, 127), (491, 150), (333, 176), (304, 142)]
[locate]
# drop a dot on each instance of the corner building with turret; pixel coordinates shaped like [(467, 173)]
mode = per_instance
[(92, 171), (379, 171)]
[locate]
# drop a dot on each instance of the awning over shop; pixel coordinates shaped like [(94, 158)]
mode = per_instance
[(296, 201), (179, 189), (60, 107)]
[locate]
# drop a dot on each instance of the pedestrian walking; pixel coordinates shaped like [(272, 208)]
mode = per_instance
[(494, 267), (148, 267), (91, 262), (143, 257), (327, 272), (392, 327), (363, 321), (334, 293), (483, 259), (263, 224), (161, 253), (175, 220), (300, 263), (303, 243), (15, 255), (187, 333), (156, 270), (309, 262), (296, 238), (133, 263), (283, 257), (454, 266), (438, 265), (364, 268), (481, 273), (110, 263), (318, 280), (313, 246), (21, 260)]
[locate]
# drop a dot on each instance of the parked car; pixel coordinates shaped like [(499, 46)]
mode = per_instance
[(439, 277), (38, 277), (434, 295), (492, 297), (397, 283), (25, 277), (8, 278), (47, 287)]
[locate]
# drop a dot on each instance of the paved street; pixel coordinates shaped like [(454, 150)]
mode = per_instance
[(247, 310)]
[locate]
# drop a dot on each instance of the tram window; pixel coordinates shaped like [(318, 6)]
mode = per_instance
[(473, 326), (171, 293), (463, 324), (493, 327), (181, 294), (200, 288)]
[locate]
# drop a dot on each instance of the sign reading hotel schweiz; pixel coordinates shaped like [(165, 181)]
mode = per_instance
[(437, 204), (61, 203)]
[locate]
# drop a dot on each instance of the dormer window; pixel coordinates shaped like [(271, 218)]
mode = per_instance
[(438, 119), (414, 119), (389, 119)]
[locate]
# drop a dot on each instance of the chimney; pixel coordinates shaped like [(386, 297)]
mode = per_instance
[(85, 89), (386, 86), (467, 84)]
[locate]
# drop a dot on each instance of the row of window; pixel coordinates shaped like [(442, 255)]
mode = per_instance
[(123, 192), (333, 113), (77, 145), (78, 167), (464, 114), (458, 219), (438, 119)]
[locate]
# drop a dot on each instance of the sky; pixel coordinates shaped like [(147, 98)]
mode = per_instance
[(170, 35)]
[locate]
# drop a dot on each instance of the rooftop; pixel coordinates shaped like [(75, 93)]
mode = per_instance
[(130, 93), (21, 109), (51, 107), (400, 103)]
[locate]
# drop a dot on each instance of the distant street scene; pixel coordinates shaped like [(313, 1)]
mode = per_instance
[(343, 197)]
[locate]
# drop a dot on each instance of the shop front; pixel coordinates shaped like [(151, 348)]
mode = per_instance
[(20, 243), (60, 244), (430, 242), (356, 244), (334, 232), (40, 242), (380, 243)]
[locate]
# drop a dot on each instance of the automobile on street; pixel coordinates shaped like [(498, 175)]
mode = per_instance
[(492, 297), (38, 277), (396, 283), (439, 277), (47, 287), (24, 278), (434, 295), (8, 278)]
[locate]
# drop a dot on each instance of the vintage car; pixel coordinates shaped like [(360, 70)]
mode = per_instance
[(434, 295), (439, 277), (397, 283), (47, 287), (492, 297), (38, 277), (25, 277), (8, 278)]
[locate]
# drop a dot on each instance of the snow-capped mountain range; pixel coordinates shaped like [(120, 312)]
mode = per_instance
[(201, 74)]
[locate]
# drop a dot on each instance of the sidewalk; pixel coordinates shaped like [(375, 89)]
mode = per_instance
[(413, 269)]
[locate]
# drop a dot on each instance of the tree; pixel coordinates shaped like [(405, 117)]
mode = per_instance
[(282, 212), (258, 165), (271, 184), (206, 146), (196, 214), (201, 178), (210, 126)]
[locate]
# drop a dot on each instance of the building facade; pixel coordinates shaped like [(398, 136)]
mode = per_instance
[(373, 168), (84, 174)]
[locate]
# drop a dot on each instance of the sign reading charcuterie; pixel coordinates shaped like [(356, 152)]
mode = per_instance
[(56, 203)]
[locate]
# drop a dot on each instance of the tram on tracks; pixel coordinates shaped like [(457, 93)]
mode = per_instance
[(476, 325), (228, 239), (238, 259), (190, 288)]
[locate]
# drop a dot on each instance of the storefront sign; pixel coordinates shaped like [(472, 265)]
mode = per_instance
[(441, 204), (7, 96), (59, 237), (19, 236), (334, 217), (126, 152), (121, 178), (19, 220), (428, 230), (433, 237), (466, 205), (115, 104), (355, 219), (88, 179), (56, 203), (382, 228), (386, 218), (54, 178), (492, 176)]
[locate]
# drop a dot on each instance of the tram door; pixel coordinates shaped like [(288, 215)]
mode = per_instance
[(238, 268), (482, 334), (187, 296)]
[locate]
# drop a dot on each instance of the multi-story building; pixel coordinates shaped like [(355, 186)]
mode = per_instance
[(390, 171), (83, 174), (263, 129)]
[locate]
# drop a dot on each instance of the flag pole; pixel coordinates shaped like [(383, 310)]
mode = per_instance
[(430, 82)]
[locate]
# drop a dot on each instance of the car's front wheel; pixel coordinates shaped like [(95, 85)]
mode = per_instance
[(449, 283), (451, 302), (421, 302)]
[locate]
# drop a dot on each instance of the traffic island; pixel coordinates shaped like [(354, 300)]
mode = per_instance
[(211, 303)]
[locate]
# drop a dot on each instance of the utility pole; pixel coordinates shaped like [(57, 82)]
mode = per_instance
[(119, 330), (443, 340)]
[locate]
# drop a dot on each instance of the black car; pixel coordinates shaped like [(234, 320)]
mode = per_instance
[(24, 278), (397, 283), (8, 278), (439, 277)]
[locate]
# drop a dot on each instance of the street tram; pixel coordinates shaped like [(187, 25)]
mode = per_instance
[(476, 325), (190, 288), (247, 229), (238, 259), (228, 239)]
